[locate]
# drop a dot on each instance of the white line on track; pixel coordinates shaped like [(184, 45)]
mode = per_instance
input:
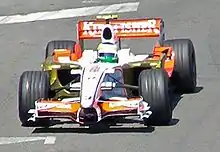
[(69, 13), (49, 140), (15, 140), (91, 1)]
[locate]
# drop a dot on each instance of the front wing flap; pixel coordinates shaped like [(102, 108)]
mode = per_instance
[(71, 110)]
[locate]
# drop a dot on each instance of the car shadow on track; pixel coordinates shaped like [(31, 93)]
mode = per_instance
[(100, 128), (95, 130), (176, 98), (117, 127)]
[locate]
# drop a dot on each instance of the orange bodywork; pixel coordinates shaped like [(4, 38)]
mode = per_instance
[(58, 107), (158, 53), (73, 56), (112, 106), (61, 53), (78, 51)]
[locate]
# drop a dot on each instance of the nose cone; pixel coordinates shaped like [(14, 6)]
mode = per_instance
[(108, 35)]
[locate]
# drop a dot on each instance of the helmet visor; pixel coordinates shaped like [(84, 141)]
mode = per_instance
[(108, 57)]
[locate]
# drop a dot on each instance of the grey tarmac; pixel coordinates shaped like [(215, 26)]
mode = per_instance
[(11, 7), (196, 116)]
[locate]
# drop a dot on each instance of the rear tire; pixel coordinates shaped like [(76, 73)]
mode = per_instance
[(153, 87), (184, 76), (59, 44), (33, 85)]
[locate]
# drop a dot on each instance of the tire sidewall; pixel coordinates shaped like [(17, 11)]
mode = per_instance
[(154, 90), (33, 85)]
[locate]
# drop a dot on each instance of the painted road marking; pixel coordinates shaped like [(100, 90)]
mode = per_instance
[(69, 13), (49, 140), (91, 1), (15, 140)]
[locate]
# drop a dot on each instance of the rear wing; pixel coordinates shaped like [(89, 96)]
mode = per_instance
[(124, 28)]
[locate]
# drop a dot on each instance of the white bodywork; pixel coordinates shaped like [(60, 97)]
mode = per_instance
[(91, 81), (126, 56), (88, 57)]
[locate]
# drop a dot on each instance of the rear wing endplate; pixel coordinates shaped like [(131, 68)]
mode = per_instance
[(124, 28)]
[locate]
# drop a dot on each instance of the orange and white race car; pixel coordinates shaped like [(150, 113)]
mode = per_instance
[(92, 85)]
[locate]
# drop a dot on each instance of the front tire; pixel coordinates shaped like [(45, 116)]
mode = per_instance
[(33, 85), (153, 87)]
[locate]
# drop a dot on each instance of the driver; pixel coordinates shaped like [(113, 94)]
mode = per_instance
[(107, 53), (107, 50)]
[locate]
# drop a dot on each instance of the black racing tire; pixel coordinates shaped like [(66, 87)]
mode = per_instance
[(59, 44), (153, 87), (32, 86), (184, 75)]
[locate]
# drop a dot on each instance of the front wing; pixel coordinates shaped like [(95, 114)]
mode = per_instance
[(103, 109)]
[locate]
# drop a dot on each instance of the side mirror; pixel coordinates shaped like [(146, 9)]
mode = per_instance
[(107, 86), (76, 72)]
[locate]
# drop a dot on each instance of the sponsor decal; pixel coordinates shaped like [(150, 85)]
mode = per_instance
[(143, 110), (41, 106), (149, 26), (130, 104), (95, 69)]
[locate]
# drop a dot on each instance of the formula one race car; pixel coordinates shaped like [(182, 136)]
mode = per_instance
[(91, 85)]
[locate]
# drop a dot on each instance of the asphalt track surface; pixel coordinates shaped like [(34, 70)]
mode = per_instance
[(196, 116)]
